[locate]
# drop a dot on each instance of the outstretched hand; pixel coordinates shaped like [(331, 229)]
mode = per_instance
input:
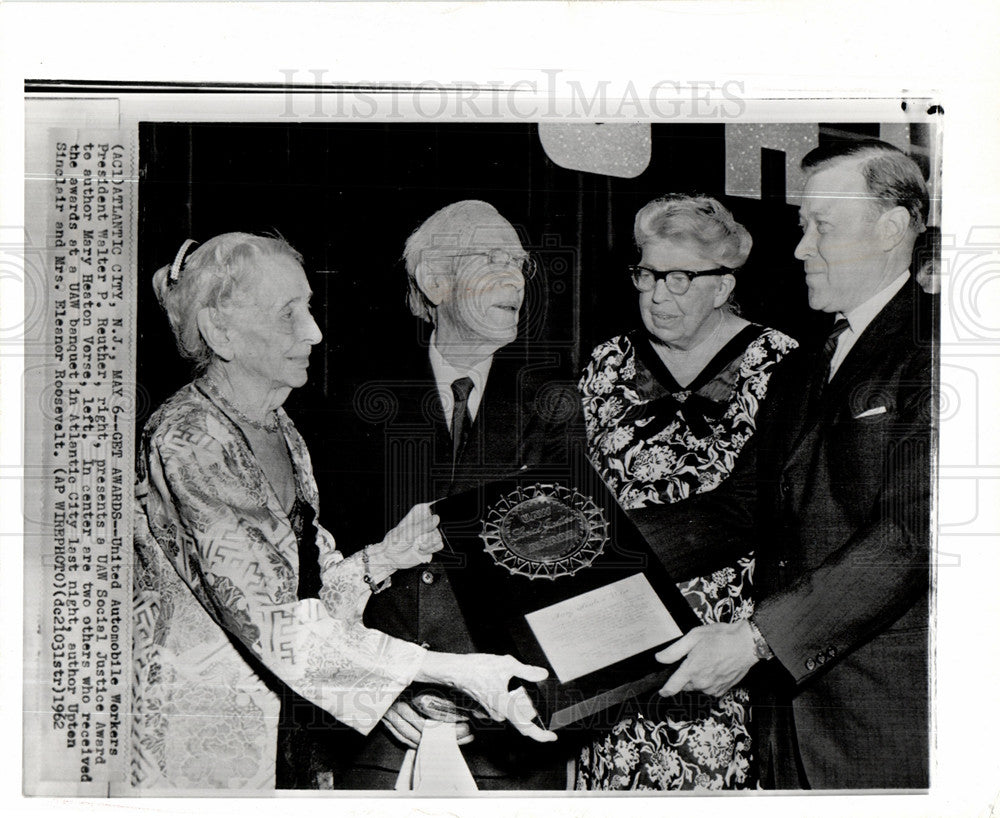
[(412, 542), (486, 677), (717, 657)]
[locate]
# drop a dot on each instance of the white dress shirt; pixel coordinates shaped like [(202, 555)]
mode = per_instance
[(860, 317), (445, 374)]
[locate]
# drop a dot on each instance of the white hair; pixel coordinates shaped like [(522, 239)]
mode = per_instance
[(210, 276)]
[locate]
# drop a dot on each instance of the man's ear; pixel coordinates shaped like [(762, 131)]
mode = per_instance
[(435, 285), (725, 287), (894, 225), (215, 333)]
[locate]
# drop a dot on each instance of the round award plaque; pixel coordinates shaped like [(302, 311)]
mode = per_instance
[(544, 531)]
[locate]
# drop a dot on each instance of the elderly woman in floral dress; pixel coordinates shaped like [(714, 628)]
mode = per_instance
[(243, 606), (669, 407)]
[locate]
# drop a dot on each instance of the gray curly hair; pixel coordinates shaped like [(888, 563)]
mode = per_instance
[(695, 220), (211, 276)]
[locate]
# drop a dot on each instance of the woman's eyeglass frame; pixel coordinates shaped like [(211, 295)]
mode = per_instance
[(678, 281)]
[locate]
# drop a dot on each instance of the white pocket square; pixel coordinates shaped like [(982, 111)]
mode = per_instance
[(869, 413)]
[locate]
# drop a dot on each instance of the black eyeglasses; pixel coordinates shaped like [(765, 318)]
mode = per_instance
[(677, 281), (499, 257)]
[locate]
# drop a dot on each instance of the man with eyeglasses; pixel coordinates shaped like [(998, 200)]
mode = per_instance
[(458, 409)]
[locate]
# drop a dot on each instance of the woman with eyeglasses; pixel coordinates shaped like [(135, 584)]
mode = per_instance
[(668, 409)]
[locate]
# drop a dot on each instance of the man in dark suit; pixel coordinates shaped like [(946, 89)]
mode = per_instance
[(459, 407), (843, 472)]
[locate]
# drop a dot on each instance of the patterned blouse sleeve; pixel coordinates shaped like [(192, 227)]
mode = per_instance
[(593, 385), (231, 551)]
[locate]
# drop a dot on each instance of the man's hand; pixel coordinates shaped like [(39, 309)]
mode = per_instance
[(718, 656), (406, 725)]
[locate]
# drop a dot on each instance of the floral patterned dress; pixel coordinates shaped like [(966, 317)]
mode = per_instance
[(655, 442), (216, 609)]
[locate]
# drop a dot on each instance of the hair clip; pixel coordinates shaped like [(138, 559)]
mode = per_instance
[(175, 268)]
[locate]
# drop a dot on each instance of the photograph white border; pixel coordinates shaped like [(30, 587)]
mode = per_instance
[(806, 51)]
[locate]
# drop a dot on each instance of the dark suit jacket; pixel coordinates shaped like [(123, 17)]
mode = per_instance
[(401, 454), (837, 508), (843, 563)]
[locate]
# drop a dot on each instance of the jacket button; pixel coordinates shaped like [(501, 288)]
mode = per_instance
[(810, 664), (782, 563), (427, 577), (784, 487), (820, 659), (831, 651)]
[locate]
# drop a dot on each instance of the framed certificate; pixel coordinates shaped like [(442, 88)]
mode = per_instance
[(546, 566)]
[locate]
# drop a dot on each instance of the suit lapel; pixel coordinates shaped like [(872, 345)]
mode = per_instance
[(857, 366), (421, 412), (881, 332), (433, 406), (493, 437)]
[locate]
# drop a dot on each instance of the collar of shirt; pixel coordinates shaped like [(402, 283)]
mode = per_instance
[(861, 316), (445, 374)]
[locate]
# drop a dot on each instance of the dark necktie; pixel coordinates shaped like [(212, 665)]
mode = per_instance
[(825, 357), (830, 346), (460, 419)]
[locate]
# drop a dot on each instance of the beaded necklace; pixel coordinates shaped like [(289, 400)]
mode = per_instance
[(269, 424)]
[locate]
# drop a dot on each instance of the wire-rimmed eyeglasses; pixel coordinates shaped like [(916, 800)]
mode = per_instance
[(498, 257), (677, 281)]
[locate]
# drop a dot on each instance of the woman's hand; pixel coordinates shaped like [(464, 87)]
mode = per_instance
[(485, 677), (412, 542)]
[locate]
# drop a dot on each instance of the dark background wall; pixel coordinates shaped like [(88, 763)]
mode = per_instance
[(347, 195)]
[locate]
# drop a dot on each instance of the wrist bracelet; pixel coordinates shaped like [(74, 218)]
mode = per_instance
[(376, 587)]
